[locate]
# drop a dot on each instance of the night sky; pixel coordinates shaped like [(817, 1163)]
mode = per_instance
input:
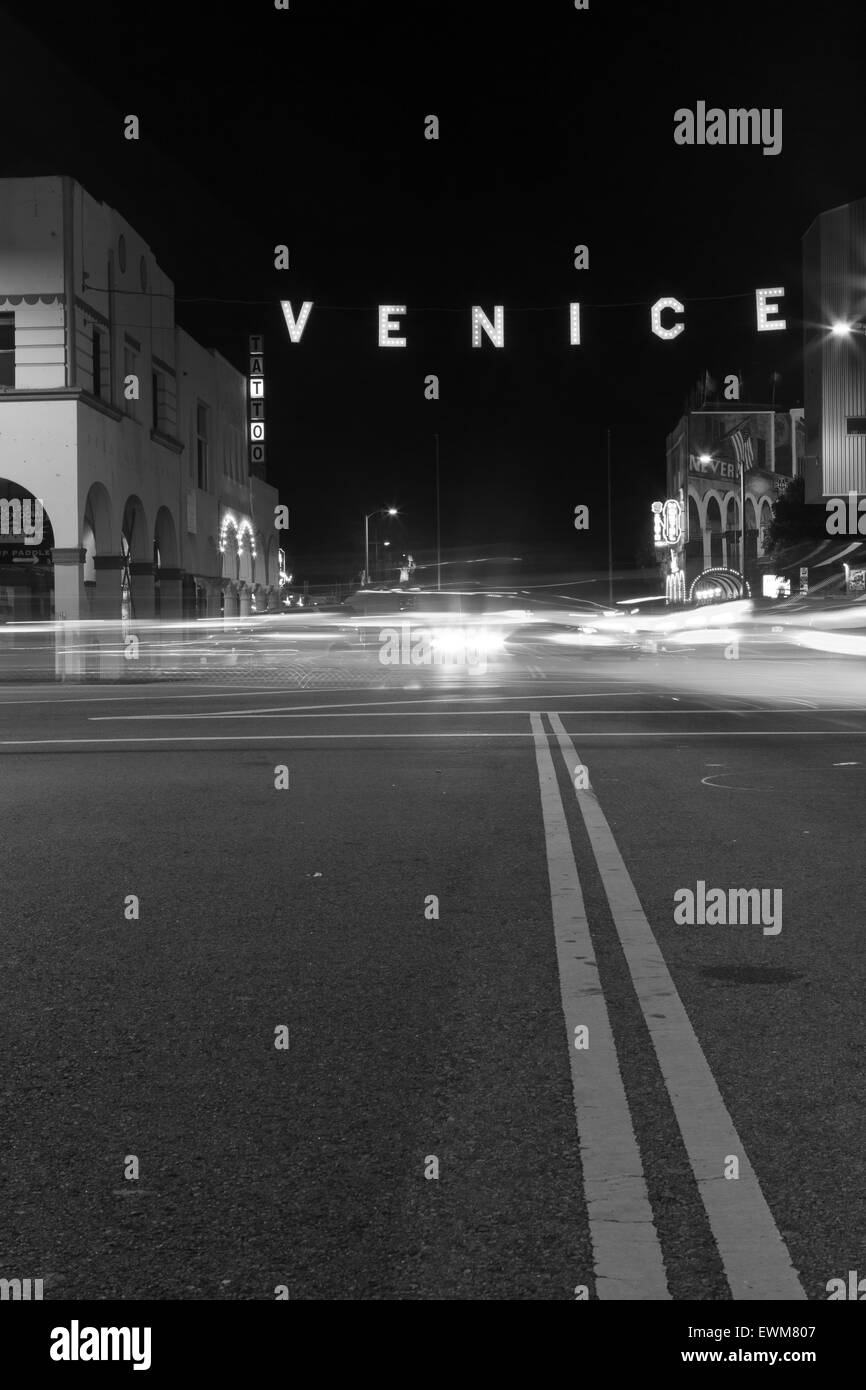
[(556, 128)]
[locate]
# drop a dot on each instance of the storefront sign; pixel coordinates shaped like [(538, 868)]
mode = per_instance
[(25, 555), (775, 586), (257, 404), (722, 443)]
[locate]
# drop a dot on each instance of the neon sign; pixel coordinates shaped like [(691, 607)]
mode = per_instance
[(675, 583), (257, 404), (667, 522)]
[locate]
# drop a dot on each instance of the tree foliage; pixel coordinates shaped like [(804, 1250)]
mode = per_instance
[(794, 520)]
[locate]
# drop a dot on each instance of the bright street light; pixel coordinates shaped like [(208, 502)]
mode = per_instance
[(377, 511), (843, 330)]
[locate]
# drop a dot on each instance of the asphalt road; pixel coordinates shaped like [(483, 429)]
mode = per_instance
[(706, 1143)]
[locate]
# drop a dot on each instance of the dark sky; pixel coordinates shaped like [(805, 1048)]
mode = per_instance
[(556, 128)]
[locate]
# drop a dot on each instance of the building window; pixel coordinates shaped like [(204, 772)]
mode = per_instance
[(156, 400), (97, 362), (856, 424), (7, 350), (201, 446)]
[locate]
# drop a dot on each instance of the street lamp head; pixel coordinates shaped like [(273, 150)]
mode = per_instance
[(392, 511), (841, 330)]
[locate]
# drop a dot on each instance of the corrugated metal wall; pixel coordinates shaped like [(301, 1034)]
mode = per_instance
[(834, 272)]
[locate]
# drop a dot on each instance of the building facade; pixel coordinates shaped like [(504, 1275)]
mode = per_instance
[(706, 452), (131, 435), (834, 292)]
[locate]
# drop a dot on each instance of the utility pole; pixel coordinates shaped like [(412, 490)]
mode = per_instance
[(743, 521), (438, 537), (609, 531)]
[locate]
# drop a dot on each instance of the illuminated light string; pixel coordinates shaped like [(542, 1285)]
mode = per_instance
[(241, 528), (675, 582), (730, 582), (420, 309)]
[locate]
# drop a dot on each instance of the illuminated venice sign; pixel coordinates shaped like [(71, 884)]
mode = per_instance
[(391, 335), (667, 522)]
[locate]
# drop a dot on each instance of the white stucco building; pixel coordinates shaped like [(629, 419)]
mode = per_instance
[(149, 506)]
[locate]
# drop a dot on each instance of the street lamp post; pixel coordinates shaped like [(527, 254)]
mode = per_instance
[(438, 537), (377, 511), (609, 531), (743, 522)]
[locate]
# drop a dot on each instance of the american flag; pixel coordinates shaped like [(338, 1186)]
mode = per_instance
[(742, 442)]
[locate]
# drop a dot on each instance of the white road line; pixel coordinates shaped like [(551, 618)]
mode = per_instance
[(438, 701), (359, 712), (280, 737), (153, 690), (224, 692), (713, 779), (714, 733), (627, 1255), (295, 714), (239, 738), (326, 690), (755, 1258)]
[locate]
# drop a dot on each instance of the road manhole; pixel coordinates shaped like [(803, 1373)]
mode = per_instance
[(751, 974)]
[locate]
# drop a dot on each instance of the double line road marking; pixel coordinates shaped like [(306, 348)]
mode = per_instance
[(626, 1249)]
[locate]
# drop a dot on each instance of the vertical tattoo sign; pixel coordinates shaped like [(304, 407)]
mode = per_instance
[(257, 406)]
